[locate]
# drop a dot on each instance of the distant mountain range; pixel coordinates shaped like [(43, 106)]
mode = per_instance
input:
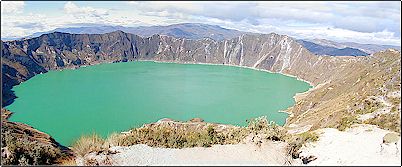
[(199, 31), (331, 51), (368, 48), (184, 30)]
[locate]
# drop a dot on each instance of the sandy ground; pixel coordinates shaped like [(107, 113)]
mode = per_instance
[(269, 153), (360, 145)]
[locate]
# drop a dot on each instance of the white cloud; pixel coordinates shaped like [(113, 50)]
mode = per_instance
[(342, 35), (371, 17), (84, 12), (369, 22), (364, 22), (12, 7), (14, 26)]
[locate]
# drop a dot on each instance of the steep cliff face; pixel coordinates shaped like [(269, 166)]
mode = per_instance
[(273, 52)]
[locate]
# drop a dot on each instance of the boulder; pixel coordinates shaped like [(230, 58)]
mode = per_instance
[(196, 120), (390, 138)]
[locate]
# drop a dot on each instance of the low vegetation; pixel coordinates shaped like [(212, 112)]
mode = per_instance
[(346, 122), (298, 141), (395, 100), (369, 106), (390, 121), (23, 151), (270, 130)]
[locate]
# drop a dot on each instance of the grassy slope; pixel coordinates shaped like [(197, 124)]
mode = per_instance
[(343, 98)]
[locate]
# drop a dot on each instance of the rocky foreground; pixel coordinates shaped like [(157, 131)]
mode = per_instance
[(269, 153), (359, 145)]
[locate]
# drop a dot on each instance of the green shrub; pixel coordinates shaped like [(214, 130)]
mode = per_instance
[(167, 136), (271, 130), (178, 136), (181, 135), (346, 122), (309, 136)]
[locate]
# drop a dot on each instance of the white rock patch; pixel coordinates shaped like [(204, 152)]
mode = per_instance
[(360, 145)]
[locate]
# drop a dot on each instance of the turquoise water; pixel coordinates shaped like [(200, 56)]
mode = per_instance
[(109, 98)]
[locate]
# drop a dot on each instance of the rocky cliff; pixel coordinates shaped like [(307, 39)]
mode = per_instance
[(344, 78)]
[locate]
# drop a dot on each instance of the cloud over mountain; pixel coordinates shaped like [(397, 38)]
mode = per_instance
[(363, 22)]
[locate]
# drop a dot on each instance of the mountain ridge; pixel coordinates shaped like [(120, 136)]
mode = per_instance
[(201, 30), (185, 30), (368, 48), (331, 51)]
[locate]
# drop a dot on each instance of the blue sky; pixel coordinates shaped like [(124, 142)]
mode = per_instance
[(363, 22)]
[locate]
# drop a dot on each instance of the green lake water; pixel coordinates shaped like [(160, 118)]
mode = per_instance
[(115, 97)]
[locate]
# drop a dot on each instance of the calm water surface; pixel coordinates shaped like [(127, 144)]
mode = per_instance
[(109, 98)]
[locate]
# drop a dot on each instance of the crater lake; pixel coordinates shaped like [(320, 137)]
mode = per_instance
[(115, 97)]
